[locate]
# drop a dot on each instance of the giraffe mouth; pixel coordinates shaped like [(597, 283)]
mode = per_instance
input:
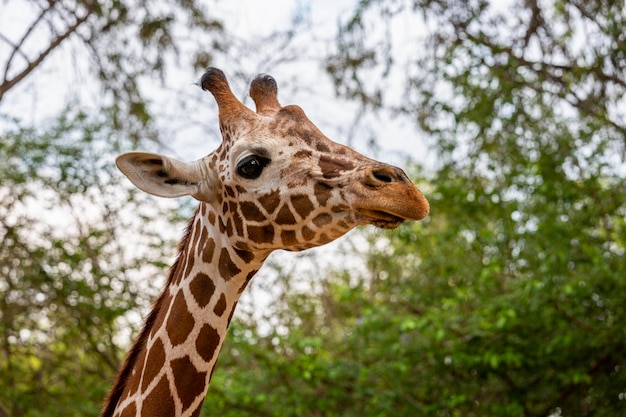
[(380, 219)]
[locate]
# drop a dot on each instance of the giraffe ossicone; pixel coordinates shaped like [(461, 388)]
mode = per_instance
[(275, 182)]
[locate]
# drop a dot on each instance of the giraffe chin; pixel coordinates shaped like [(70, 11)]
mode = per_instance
[(380, 219)]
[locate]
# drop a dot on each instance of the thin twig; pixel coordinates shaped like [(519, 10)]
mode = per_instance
[(18, 46), (8, 84)]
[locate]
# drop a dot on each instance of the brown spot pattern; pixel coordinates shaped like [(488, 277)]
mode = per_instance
[(322, 219), (229, 191), (156, 359), (207, 342), (226, 266), (196, 233), (261, 234), (251, 274), (202, 288), (270, 201), (220, 306), (333, 167), (133, 387), (177, 275), (304, 153), (208, 250), (129, 411), (186, 379), (160, 401), (204, 236), (230, 315), (232, 206), (162, 304), (245, 255), (322, 147), (302, 204), (222, 226), (285, 216), (229, 226), (322, 192), (180, 322), (189, 262), (307, 233), (251, 212), (238, 224), (288, 237)]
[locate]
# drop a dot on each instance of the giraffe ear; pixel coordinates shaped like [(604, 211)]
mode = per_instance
[(165, 177)]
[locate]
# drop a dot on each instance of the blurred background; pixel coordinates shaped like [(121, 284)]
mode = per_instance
[(509, 300)]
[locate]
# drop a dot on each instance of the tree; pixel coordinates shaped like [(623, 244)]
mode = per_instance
[(505, 302), (517, 278), (66, 260), (122, 43), (508, 300)]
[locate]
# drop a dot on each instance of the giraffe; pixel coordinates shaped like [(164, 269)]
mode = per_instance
[(275, 182)]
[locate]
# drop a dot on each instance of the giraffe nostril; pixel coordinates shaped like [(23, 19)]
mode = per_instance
[(380, 176), (383, 176)]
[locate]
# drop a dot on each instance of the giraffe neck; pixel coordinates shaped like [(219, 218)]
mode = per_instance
[(170, 366)]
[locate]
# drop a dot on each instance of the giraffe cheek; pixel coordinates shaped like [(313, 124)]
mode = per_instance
[(322, 220), (303, 205)]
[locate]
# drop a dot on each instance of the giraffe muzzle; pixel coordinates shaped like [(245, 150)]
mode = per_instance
[(390, 198)]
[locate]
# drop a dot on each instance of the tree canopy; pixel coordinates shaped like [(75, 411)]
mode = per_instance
[(507, 301), (120, 45)]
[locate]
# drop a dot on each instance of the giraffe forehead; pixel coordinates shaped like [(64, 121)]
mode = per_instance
[(297, 141), (288, 125)]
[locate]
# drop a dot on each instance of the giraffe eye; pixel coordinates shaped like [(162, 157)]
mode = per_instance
[(251, 166)]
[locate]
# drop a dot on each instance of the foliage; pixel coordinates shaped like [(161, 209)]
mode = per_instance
[(65, 285), (509, 299)]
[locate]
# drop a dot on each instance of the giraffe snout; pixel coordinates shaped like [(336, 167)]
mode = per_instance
[(391, 193)]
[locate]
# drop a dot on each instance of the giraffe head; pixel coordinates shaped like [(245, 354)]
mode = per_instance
[(275, 181)]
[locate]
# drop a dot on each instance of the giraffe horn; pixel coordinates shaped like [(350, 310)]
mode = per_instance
[(263, 91), (229, 106)]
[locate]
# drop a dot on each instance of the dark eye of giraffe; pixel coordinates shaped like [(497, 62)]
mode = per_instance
[(252, 166)]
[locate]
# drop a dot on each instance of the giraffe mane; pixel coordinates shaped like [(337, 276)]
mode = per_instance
[(117, 390)]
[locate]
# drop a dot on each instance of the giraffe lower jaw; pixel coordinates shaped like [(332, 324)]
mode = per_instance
[(380, 219)]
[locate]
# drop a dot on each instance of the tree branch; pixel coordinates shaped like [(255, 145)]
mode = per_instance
[(15, 51), (17, 47), (8, 84), (536, 21), (546, 70)]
